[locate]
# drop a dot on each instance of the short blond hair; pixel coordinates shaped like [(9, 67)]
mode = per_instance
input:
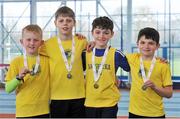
[(33, 28)]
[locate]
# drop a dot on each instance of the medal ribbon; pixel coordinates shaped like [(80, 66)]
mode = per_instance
[(68, 66), (97, 74), (36, 65), (150, 70)]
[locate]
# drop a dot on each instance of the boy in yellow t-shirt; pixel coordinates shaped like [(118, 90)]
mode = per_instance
[(102, 93), (29, 76), (151, 78), (66, 70)]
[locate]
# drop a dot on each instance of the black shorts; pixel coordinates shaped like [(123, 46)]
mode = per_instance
[(102, 112), (73, 108), (131, 115)]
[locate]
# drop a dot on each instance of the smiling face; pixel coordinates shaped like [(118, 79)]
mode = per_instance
[(147, 47), (31, 41), (148, 42), (102, 31), (101, 37)]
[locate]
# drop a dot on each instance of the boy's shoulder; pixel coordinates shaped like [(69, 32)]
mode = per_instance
[(119, 52), (17, 59), (133, 55), (51, 39), (42, 54), (161, 63), (78, 39)]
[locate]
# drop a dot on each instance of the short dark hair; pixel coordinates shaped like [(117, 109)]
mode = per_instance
[(149, 33), (103, 23), (65, 11)]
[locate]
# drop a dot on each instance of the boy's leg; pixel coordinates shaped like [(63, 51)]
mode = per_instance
[(77, 108), (131, 115), (109, 112), (59, 108), (92, 112)]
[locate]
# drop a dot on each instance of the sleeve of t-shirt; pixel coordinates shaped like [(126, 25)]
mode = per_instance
[(166, 75), (121, 61), (84, 59)]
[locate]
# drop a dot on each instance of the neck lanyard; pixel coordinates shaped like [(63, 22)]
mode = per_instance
[(97, 74), (150, 70), (68, 66), (35, 69)]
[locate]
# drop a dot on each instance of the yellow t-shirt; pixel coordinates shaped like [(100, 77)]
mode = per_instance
[(63, 88), (107, 94), (147, 103), (32, 96)]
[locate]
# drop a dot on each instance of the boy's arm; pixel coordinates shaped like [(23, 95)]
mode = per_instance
[(11, 85), (90, 45), (163, 60), (42, 50), (166, 91), (121, 61), (83, 56)]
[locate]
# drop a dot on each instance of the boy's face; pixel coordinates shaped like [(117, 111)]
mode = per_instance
[(147, 47), (65, 25), (102, 36), (31, 41)]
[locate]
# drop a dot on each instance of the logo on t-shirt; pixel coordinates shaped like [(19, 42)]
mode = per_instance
[(140, 73), (68, 53), (105, 66), (38, 71)]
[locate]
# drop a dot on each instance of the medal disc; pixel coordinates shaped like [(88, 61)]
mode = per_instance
[(69, 76), (32, 73), (35, 71), (96, 86), (144, 87)]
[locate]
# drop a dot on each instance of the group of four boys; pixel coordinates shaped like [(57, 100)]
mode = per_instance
[(49, 79)]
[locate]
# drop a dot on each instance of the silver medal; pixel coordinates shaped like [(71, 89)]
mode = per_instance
[(35, 70), (69, 76), (68, 65)]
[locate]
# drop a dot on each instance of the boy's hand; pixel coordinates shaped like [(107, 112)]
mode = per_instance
[(90, 46), (23, 72), (80, 36), (118, 82), (163, 60), (150, 84)]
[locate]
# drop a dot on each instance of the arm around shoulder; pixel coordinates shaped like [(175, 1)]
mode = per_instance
[(121, 61)]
